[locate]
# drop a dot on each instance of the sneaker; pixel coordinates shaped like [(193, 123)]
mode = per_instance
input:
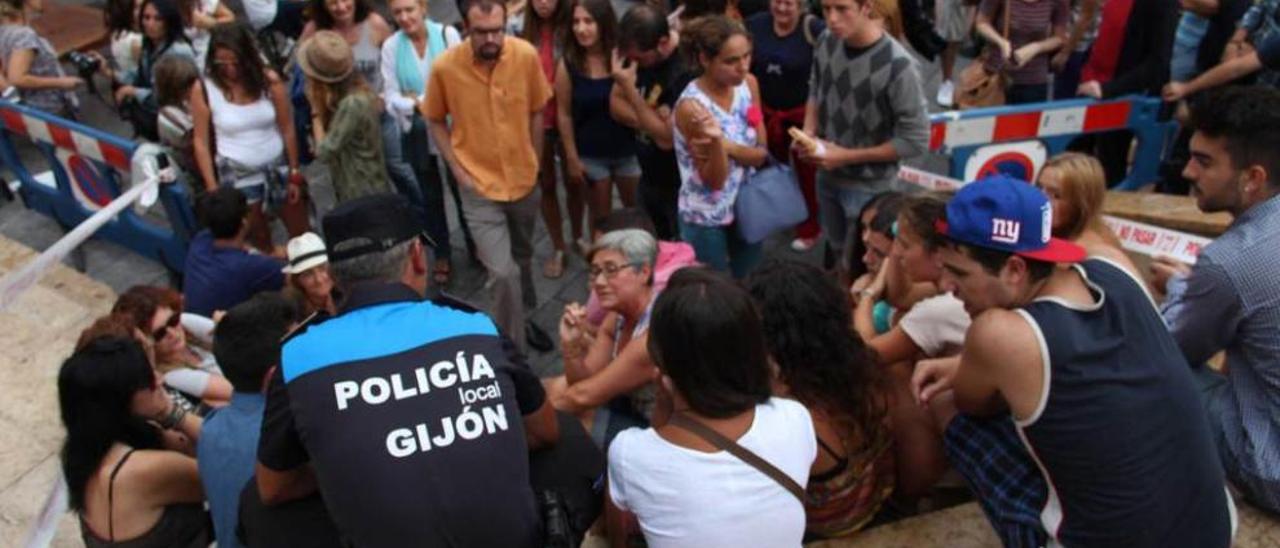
[(801, 245), (946, 94)]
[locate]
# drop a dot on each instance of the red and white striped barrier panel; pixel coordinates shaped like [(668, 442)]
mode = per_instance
[(1134, 236), (1051, 122), (61, 136)]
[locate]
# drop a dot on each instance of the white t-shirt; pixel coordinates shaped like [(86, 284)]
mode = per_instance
[(685, 497), (200, 37), (937, 325), (260, 13)]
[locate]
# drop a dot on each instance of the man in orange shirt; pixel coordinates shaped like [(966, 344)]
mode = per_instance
[(484, 106)]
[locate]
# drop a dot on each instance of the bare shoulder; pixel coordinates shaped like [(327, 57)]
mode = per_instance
[(997, 335)]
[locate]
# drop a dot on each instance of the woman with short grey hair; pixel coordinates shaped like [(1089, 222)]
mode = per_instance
[(608, 375)]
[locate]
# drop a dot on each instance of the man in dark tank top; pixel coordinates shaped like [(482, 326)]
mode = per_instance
[(1070, 355)]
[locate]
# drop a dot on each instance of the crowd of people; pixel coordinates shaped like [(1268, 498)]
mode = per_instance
[(995, 341)]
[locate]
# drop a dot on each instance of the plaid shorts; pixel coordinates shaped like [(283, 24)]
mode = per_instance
[(991, 457)]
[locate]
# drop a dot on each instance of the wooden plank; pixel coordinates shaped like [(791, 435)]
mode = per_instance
[(1166, 210), (71, 28)]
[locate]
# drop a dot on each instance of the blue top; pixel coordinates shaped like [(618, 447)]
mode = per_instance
[(1120, 435), (595, 131), (218, 278), (1231, 301), (781, 64), (226, 452)]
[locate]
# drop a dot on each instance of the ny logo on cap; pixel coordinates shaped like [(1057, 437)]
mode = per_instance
[(1005, 231)]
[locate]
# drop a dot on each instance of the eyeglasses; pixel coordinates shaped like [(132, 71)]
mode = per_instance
[(488, 34), (609, 270), (163, 331)]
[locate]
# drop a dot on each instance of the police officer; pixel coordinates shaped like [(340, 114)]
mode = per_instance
[(412, 416)]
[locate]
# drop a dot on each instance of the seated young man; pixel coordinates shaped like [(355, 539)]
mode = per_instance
[(220, 270), (1070, 355), (1227, 302), (247, 343)]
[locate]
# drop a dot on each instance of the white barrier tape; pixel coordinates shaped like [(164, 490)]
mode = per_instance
[(46, 524), (1134, 236), (1156, 241), (18, 281)]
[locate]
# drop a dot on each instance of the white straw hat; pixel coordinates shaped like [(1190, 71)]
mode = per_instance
[(305, 252)]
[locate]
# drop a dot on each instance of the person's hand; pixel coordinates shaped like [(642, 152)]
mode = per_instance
[(104, 67), (572, 325), (1164, 267), (623, 69), (664, 112), (218, 315), (1174, 91), (932, 377), (576, 171), (464, 178), (828, 155), (293, 190), (1025, 54), (71, 82), (861, 283), (1092, 88), (1006, 49), (706, 124), (125, 92), (1059, 59)]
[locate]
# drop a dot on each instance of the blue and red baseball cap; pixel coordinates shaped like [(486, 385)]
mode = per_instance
[(1006, 214)]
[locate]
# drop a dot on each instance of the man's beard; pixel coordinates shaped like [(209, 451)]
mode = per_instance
[(488, 52)]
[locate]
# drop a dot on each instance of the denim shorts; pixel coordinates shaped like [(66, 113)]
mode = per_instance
[(597, 169)]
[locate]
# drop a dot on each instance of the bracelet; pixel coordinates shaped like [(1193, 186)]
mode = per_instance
[(174, 417)]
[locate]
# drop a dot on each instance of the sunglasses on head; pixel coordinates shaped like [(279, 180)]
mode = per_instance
[(163, 330)]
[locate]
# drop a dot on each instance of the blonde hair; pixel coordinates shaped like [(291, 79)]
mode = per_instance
[(324, 97), (1084, 188)]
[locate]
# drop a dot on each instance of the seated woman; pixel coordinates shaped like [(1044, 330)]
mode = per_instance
[(871, 242), (682, 486), (615, 361), (1076, 186), (187, 367), (935, 324), (125, 487), (825, 366), (309, 282)]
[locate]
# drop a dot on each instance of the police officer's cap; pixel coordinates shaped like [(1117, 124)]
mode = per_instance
[(371, 224)]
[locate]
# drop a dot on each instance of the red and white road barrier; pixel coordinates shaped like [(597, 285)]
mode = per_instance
[(1134, 236), (1050, 122), (61, 136)]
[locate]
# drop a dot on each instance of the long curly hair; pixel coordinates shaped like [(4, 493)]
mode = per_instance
[(808, 329)]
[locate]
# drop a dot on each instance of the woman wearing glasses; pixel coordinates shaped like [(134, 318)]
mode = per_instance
[(608, 376), (181, 363), (243, 134)]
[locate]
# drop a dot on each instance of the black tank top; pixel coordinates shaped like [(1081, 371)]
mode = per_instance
[(181, 525), (1121, 436)]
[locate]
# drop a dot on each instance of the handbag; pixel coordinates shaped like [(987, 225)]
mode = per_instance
[(769, 201), (980, 85), (722, 443)]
